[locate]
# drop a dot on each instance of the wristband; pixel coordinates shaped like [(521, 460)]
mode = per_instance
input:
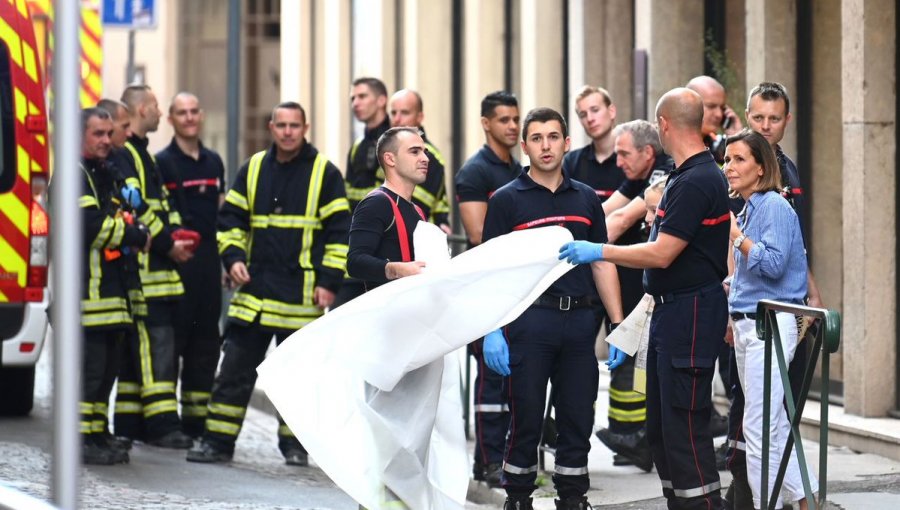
[(611, 326)]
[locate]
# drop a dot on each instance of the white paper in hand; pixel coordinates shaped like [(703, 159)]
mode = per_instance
[(627, 337)]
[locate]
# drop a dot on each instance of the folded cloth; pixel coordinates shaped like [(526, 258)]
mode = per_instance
[(185, 234)]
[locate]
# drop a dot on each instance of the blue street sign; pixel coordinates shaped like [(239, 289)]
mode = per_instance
[(129, 13)]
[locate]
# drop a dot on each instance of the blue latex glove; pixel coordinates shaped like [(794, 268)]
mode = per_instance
[(581, 252), (496, 352), (616, 357), (132, 195)]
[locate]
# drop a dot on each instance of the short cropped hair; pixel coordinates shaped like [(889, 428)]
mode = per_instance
[(771, 91), (387, 142), (543, 115), (643, 133), (288, 105), (495, 99), (764, 155), (376, 85), (587, 90), (89, 113), (112, 106), (135, 95)]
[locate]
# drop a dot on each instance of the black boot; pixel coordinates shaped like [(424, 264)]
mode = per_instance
[(207, 453), (296, 457), (573, 503), (175, 439), (517, 503), (492, 475), (742, 498), (107, 442), (633, 446), (92, 453), (478, 471)]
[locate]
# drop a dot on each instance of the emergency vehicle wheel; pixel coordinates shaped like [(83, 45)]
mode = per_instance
[(17, 397)]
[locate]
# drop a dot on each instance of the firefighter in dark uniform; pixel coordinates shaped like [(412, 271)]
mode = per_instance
[(282, 235), (553, 340), (489, 169), (128, 410), (405, 109), (641, 158), (368, 98), (105, 308), (152, 350), (381, 233), (685, 264), (596, 165), (717, 115), (196, 176)]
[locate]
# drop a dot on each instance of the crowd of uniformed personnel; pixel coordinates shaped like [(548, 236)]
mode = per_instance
[(160, 229)]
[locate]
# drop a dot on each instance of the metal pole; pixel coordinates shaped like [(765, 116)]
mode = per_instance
[(129, 70), (66, 256), (234, 68)]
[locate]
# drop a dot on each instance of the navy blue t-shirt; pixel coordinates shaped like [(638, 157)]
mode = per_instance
[(483, 174), (694, 207), (196, 185), (523, 204), (582, 165)]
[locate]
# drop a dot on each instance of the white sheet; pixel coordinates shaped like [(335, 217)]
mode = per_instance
[(369, 389)]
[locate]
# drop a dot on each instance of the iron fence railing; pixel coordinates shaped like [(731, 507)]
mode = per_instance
[(825, 333)]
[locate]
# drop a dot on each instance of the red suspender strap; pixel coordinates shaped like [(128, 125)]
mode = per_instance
[(401, 225)]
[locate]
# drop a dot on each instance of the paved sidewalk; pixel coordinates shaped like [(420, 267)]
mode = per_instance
[(855, 481)]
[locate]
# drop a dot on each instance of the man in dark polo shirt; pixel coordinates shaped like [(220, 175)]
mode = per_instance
[(196, 176), (719, 119), (406, 109), (486, 171), (554, 338), (641, 158), (368, 99), (685, 261), (595, 163)]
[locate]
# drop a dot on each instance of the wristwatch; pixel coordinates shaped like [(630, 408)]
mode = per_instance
[(739, 240)]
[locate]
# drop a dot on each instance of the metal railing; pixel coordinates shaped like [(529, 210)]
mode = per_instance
[(826, 339)]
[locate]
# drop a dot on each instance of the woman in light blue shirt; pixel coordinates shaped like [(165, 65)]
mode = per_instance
[(769, 263)]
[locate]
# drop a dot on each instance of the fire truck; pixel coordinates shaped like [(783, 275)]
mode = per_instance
[(24, 222)]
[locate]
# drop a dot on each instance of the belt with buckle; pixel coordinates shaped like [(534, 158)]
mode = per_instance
[(702, 291), (563, 303), (736, 316)]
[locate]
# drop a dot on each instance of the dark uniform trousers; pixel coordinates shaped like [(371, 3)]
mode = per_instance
[(685, 333), (244, 349), (197, 338), (491, 411), (550, 344), (627, 408), (101, 364), (146, 407)]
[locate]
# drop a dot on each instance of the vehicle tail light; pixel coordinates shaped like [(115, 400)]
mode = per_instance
[(39, 250)]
